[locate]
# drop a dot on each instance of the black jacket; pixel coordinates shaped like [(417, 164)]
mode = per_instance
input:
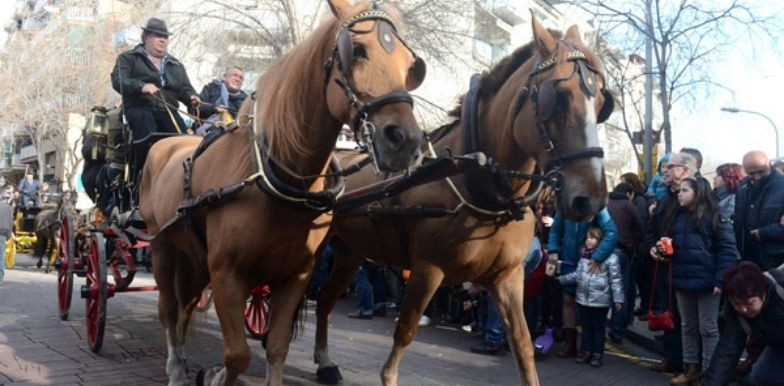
[(761, 207), (766, 327), (133, 69), (211, 93), (627, 220)]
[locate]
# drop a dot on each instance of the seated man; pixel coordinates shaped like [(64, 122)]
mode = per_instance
[(223, 95), (29, 190), (152, 83)]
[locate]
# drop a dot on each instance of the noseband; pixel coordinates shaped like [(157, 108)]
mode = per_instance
[(342, 55)]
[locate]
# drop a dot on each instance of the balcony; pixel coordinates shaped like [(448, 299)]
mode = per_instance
[(510, 11), (28, 153)]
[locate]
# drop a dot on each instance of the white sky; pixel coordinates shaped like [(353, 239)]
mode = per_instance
[(757, 83)]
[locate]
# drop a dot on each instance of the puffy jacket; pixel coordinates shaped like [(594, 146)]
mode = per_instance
[(566, 238), (600, 289), (701, 253), (763, 212), (766, 327), (133, 69)]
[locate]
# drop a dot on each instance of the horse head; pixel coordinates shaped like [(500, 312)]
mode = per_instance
[(369, 74), (563, 99)]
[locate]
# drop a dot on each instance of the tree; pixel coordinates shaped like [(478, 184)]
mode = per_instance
[(44, 92), (687, 36)]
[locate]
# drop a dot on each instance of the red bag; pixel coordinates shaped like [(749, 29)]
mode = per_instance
[(662, 321)]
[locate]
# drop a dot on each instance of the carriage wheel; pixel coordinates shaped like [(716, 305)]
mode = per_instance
[(65, 266), (95, 302), (257, 312), (10, 252)]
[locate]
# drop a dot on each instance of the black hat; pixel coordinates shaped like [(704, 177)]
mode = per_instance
[(156, 26)]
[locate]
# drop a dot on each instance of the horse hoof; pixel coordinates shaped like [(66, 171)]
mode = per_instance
[(329, 375), (39, 265)]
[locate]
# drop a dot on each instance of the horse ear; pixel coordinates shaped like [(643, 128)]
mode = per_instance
[(545, 42), (416, 74), (339, 8), (607, 107), (573, 34)]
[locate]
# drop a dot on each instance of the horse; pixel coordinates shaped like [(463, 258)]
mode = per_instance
[(47, 232), (538, 106), (352, 69)]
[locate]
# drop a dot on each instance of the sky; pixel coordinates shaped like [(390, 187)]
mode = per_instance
[(755, 78)]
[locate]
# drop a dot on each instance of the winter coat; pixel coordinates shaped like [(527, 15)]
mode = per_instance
[(725, 200), (701, 253), (133, 69), (766, 328), (627, 221), (656, 186), (212, 92), (567, 236), (761, 207), (600, 289)]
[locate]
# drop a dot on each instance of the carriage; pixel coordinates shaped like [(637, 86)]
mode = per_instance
[(110, 240), (24, 237)]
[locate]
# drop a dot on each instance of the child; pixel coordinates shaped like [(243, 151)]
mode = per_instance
[(594, 283)]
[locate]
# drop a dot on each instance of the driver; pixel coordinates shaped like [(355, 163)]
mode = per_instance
[(146, 76), (29, 190)]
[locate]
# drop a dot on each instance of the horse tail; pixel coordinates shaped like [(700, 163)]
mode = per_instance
[(300, 317)]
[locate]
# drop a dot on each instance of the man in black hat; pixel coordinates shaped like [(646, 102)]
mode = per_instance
[(152, 83)]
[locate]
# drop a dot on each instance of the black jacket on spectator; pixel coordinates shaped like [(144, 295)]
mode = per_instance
[(627, 220), (133, 69), (767, 327), (761, 207), (701, 253)]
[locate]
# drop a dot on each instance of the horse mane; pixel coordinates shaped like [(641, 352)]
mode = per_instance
[(492, 80), (286, 89)]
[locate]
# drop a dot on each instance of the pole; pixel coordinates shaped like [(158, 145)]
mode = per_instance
[(647, 138)]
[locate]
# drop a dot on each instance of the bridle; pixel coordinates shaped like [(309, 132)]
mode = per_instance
[(342, 56), (490, 185), (544, 96)]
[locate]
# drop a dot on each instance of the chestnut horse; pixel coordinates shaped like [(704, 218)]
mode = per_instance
[(538, 106), (353, 69)]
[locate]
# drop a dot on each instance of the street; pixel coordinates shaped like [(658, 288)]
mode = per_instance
[(36, 347)]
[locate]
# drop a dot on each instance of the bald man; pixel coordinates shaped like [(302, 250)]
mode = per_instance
[(759, 205)]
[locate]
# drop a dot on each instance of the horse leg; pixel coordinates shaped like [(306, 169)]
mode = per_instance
[(422, 284), (165, 268), (507, 293), (286, 300), (229, 296), (344, 265)]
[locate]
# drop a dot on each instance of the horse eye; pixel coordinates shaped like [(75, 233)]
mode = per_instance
[(359, 51)]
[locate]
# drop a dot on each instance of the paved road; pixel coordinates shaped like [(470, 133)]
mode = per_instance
[(37, 348)]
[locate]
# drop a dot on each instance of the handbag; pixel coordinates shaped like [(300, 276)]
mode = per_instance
[(662, 321)]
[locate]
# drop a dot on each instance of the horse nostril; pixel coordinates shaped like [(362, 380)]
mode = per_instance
[(581, 205), (395, 135)]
